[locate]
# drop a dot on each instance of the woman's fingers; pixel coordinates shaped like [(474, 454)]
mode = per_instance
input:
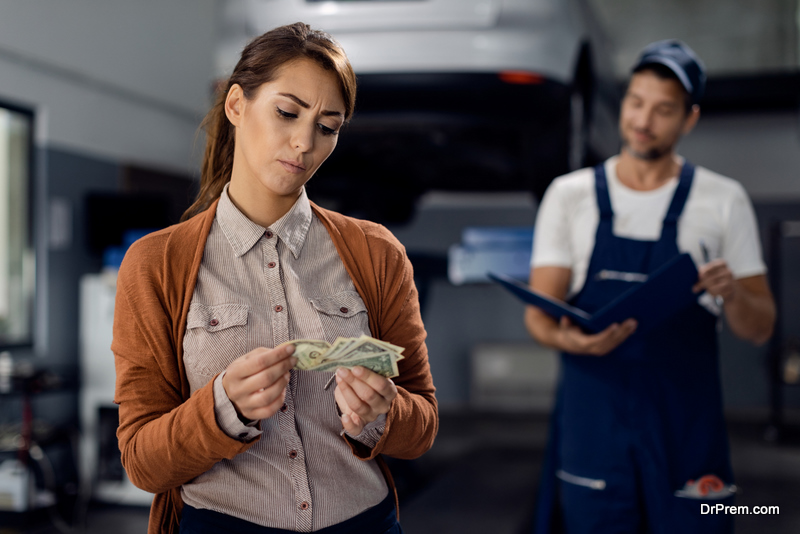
[(352, 424), (259, 359), (268, 376), (353, 402), (255, 382), (364, 392), (266, 405)]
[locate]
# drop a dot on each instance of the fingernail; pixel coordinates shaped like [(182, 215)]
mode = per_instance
[(290, 349), (358, 371), (341, 372), (294, 360)]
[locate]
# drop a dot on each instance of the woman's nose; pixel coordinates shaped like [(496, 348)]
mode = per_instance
[(303, 138)]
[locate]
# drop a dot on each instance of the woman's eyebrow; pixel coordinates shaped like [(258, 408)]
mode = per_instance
[(305, 105)]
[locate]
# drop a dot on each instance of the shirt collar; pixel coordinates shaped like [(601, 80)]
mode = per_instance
[(243, 234)]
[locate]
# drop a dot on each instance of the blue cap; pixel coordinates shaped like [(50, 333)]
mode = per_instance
[(681, 60)]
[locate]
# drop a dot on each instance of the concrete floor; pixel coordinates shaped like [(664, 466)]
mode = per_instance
[(481, 477), (486, 470)]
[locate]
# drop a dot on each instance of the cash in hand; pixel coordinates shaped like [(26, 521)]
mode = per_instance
[(374, 354)]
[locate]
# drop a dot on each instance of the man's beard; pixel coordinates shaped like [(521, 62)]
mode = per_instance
[(652, 154)]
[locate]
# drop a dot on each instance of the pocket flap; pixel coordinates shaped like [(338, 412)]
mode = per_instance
[(219, 317), (343, 304)]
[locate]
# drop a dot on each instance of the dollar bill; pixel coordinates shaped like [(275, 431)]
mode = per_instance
[(339, 346), (389, 346), (309, 352), (317, 355), (384, 364), (363, 346)]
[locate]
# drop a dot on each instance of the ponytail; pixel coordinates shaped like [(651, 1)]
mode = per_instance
[(217, 164)]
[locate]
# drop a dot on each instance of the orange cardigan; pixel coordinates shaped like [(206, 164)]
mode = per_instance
[(167, 438)]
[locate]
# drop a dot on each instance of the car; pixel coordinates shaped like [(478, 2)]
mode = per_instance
[(458, 95)]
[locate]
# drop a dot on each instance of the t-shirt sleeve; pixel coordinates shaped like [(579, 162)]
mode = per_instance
[(551, 235), (741, 245)]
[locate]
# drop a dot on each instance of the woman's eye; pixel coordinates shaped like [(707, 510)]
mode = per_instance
[(326, 130), (286, 114)]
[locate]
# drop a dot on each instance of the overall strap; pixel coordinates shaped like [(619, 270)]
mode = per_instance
[(669, 228), (601, 191), (681, 194)]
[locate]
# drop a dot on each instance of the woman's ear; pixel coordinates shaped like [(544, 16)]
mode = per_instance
[(234, 104)]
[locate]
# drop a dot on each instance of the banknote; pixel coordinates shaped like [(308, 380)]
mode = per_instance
[(363, 346), (309, 352), (318, 355), (339, 345), (384, 363)]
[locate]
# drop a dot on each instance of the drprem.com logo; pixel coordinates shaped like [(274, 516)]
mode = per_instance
[(706, 509)]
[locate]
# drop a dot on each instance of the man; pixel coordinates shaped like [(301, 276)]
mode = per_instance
[(638, 441)]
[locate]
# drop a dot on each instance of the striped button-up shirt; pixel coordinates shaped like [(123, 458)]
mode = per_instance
[(259, 287)]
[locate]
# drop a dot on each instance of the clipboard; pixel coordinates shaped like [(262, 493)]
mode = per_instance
[(667, 291)]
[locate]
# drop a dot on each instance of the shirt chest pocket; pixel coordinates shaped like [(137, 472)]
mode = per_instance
[(342, 314), (215, 336)]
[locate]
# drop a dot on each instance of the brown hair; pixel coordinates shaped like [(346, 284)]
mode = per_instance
[(259, 64)]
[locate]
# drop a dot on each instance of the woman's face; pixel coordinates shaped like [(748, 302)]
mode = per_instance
[(283, 134)]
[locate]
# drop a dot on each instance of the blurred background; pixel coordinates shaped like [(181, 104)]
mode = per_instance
[(466, 110)]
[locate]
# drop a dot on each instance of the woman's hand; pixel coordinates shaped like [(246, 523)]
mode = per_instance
[(256, 382), (362, 395)]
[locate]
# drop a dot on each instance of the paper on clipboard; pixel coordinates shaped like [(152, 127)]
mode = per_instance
[(667, 291)]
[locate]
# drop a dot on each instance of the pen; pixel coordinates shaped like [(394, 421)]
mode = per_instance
[(707, 258), (704, 250)]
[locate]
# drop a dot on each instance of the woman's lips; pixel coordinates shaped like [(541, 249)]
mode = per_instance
[(294, 167)]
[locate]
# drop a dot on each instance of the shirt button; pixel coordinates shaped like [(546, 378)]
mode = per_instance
[(343, 309), (304, 505), (271, 265), (269, 234), (284, 408), (278, 308), (213, 322), (292, 454)]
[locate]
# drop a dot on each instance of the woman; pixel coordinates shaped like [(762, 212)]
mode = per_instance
[(213, 419)]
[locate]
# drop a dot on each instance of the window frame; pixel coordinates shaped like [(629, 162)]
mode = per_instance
[(28, 341)]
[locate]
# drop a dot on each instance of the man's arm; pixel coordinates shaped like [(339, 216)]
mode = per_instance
[(748, 303), (563, 335)]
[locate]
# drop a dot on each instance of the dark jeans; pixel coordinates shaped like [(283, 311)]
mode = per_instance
[(380, 519)]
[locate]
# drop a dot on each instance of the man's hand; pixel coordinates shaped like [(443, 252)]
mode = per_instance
[(573, 340), (748, 303), (716, 278), (256, 382), (362, 395), (563, 335)]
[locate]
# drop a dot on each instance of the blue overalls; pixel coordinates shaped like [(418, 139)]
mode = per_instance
[(631, 428)]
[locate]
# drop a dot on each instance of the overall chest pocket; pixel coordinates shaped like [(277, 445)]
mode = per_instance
[(215, 336), (342, 314)]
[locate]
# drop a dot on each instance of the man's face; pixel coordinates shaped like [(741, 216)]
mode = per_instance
[(653, 116)]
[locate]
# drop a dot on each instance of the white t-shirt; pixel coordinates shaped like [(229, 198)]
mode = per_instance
[(717, 213)]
